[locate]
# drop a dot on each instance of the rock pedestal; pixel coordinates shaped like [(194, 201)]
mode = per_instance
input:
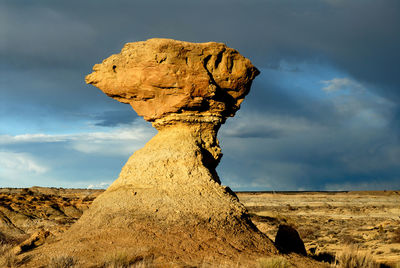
[(168, 201)]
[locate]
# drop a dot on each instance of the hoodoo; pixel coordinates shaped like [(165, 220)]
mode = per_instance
[(168, 201)]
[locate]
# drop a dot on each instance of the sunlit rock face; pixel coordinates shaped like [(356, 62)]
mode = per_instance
[(163, 76), (168, 199), (186, 90)]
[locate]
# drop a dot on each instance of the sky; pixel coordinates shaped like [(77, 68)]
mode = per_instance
[(324, 114)]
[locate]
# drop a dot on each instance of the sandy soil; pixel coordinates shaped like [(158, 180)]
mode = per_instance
[(328, 221)]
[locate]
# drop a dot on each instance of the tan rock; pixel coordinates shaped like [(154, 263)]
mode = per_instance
[(37, 239), (163, 76), (168, 201)]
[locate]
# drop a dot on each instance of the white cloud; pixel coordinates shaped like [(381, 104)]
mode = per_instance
[(341, 84), (118, 141), (33, 138), (101, 185), (21, 170), (357, 105), (20, 162)]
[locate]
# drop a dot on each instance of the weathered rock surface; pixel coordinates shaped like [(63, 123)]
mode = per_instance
[(168, 201), (162, 76), (36, 239)]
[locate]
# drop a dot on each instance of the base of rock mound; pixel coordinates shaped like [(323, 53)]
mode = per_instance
[(168, 202), (178, 245), (171, 247)]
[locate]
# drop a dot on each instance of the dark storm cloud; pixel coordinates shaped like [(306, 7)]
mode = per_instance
[(47, 47), (255, 133), (115, 118), (331, 142), (347, 32), (358, 36), (272, 98), (311, 156)]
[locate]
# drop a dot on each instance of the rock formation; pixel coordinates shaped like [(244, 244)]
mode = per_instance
[(162, 76), (168, 201)]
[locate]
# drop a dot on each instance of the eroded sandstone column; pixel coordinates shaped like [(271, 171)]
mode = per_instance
[(186, 90), (168, 200)]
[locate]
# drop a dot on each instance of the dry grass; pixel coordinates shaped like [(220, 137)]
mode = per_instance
[(274, 262), (8, 258), (396, 237), (208, 264), (4, 248), (308, 233), (10, 240), (63, 262), (351, 257), (348, 239), (125, 260)]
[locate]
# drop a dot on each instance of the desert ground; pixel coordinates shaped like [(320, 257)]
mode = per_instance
[(327, 221)]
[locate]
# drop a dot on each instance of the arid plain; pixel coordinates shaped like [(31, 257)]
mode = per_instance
[(328, 222)]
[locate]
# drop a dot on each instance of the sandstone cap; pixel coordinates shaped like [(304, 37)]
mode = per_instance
[(158, 77)]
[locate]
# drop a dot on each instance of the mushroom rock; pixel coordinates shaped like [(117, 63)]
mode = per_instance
[(168, 200)]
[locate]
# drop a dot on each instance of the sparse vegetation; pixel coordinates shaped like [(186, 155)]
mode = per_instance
[(10, 259), (290, 208), (351, 257), (323, 257), (4, 248), (11, 240), (396, 237), (308, 233), (349, 240), (324, 231), (321, 230), (3, 238), (125, 260), (395, 250), (212, 264), (274, 262), (63, 262)]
